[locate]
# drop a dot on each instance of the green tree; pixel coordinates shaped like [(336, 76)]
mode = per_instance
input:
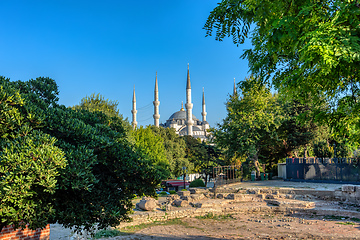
[(98, 103), (102, 171), (29, 164), (202, 156), (307, 49), (151, 146), (174, 149), (251, 124)]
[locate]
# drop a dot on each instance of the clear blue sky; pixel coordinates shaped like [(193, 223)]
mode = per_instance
[(107, 47)]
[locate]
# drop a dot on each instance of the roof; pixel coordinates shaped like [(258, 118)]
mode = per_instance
[(180, 115), (193, 127), (174, 183)]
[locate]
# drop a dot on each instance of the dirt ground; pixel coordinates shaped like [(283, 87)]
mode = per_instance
[(251, 226), (247, 226)]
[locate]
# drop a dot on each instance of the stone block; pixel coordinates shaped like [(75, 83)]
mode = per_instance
[(197, 197), (265, 190), (172, 197), (291, 203), (197, 190), (238, 197), (181, 203), (186, 198), (275, 192), (269, 196), (147, 204), (183, 193), (220, 196), (348, 188), (253, 191)]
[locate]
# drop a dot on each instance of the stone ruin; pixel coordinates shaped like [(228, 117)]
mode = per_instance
[(227, 200)]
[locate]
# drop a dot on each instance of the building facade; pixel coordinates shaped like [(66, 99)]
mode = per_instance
[(183, 121)]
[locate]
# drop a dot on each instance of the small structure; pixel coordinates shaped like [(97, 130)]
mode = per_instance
[(174, 184), (345, 170)]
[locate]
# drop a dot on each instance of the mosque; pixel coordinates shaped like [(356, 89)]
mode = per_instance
[(183, 121)]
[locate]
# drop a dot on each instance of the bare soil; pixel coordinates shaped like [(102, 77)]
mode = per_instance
[(251, 226)]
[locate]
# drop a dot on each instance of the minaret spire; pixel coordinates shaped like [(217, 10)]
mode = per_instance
[(203, 113), (189, 106), (234, 91), (156, 103), (134, 111)]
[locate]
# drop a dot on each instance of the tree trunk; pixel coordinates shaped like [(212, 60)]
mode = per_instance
[(256, 164)]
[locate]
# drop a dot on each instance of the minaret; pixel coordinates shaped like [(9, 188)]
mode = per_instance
[(134, 111), (156, 103), (234, 91), (188, 106), (203, 113)]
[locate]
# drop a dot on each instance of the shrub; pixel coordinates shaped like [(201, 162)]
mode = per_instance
[(172, 192), (71, 166), (197, 183)]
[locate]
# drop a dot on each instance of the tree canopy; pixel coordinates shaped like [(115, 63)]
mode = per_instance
[(75, 166), (174, 146), (308, 49)]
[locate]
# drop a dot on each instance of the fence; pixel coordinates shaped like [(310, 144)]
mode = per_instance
[(226, 174), (329, 169)]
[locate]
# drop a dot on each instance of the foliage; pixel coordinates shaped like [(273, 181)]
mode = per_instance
[(251, 123), (174, 147), (102, 169), (322, 149), (98, 103), (106, 233), (203, 156), (151, 146), (211, 215), (197, 183), (172, 192), (29, 164), (308, 49)]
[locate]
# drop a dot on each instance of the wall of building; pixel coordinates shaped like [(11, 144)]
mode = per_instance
[(8, 233)]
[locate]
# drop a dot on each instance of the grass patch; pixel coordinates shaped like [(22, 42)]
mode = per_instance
[(176, 221), (355, 219), (346, 223), (333, 217), (105, 233), (210, 215)]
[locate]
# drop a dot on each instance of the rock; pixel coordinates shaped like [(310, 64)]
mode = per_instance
[(269, 196), (348, 188), (186, 198), (253, 191), (238, 197), (290, 203), (220, 196), (168, 207), (181, 203), (147, 204), (183, 193), (197, 190), (197, 197), (173, 197)]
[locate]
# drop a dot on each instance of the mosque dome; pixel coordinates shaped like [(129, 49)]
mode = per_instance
[(180, 115)]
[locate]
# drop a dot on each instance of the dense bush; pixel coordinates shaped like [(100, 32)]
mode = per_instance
[(39, 136), (197, 183)]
